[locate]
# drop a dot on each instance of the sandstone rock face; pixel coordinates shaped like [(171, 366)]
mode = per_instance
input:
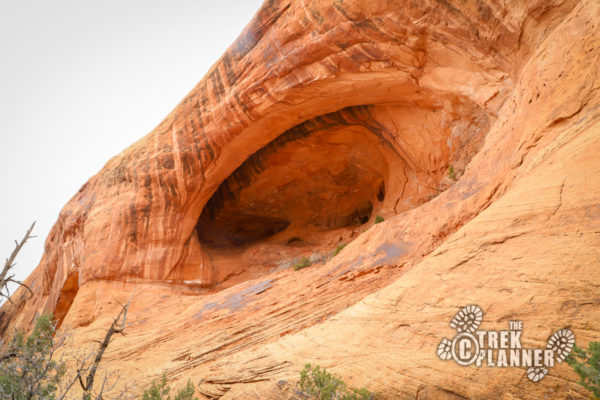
[(320, 117)]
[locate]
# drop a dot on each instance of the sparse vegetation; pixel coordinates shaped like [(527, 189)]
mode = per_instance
[(303, 263), (34, 367), (339, 248), (321, 385), (379, 219), (28, 368), (586, 363), (161, 391), (452, 173)]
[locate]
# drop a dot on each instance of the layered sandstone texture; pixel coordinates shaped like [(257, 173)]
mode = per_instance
[(472, 127)]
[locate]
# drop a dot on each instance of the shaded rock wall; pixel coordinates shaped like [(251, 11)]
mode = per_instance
[(197, 217)]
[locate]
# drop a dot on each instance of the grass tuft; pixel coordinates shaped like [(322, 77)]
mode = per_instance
[(303, 263)]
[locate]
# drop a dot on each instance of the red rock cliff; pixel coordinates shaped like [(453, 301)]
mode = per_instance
[(320, 117)]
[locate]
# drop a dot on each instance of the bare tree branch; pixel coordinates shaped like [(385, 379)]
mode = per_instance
[(118, 326), (46, 358), (5, 279), (99, 396), (81, 368)]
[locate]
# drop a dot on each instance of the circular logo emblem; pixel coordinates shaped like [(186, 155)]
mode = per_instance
[(465, 348)]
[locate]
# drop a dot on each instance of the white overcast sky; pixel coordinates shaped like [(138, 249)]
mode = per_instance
[(82, 80)]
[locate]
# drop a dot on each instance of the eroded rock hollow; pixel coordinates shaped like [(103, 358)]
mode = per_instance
[(322, 182), (468, 126)]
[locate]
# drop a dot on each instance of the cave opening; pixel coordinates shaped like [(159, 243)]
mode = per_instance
[(325, 181), (66, 297), (323, 175)]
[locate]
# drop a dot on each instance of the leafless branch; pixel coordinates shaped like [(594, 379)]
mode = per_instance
[(81, 358), (125, 393), (99, 396), (61, 360), (118, 326), (5, 278)]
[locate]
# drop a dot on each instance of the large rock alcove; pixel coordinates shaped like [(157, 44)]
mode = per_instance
[(324, 181), (320, 117)]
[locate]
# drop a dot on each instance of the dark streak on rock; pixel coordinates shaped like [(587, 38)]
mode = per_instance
[(132, 223), (256, 30), (218, 88)]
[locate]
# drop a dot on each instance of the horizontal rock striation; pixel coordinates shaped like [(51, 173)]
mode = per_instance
[(469, 126)]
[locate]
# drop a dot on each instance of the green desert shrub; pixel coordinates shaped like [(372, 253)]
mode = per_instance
[(451, 173), (303, 263), (339, 248), (161, 391), (379, 219), (31, 370), (321, 385), (586, 363), (28, 366)]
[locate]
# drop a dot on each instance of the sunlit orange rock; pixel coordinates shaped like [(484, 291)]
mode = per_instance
[(322, 116)]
